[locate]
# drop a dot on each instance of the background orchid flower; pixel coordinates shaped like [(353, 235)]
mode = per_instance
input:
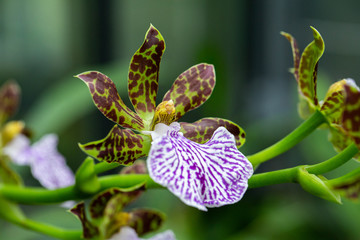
[(339, 97), (189, 91), (47, 165)]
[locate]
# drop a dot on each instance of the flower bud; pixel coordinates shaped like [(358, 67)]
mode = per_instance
[(317, 186)]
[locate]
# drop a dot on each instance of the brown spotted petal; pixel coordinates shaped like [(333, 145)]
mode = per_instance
[(145, 220), (351, 113), (108, 101), (120, 145), (112, 201), (9, 100), (192, 88), (295, 51), (202, 130), (89, 229), (144, 74)]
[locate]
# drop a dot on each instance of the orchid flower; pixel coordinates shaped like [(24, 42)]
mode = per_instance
[(199, 162), (47, 165), (339, 100), (107, 216)]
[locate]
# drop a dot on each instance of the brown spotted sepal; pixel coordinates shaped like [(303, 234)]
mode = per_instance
[(144, 74), (108, 101), (202, 130), (9, 100), (333, 103), (347, 131), (351, 113), (305, 71), (192, 88), (90, 230), (107, 216), (120, 145)]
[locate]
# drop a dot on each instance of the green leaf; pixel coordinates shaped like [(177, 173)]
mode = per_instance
[(202, 130), (108, 101), (317, 186), (89, 229), (120, 145), (145, 220), (192, 88), (144, 74), (85, 178), (9, 100)]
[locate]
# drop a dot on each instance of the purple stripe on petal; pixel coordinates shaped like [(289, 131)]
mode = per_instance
[(201, 175)]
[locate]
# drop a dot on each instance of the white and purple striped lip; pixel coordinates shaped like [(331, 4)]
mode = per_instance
[(201, 175)]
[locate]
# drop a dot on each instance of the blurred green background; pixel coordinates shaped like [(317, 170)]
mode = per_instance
[(43, 44)]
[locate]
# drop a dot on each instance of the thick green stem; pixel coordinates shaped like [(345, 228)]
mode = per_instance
[(41, 195), (49, 230), (289, 141), (334, 162), (275, 177)]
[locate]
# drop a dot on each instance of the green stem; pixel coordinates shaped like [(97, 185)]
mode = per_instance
[(275, 177), (289, 141), (49, 230), (334, 162), (40, 195)]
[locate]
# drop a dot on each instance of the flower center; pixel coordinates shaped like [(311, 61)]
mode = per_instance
[(164, 113)]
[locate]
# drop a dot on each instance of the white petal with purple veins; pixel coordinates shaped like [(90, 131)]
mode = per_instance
[(201, 175)]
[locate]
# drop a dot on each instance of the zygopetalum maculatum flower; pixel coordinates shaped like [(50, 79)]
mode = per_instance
[(108, 213), (341, 105), (203, 168)]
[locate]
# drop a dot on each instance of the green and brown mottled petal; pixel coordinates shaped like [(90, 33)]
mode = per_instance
[(192, 88), (144, 220), (9, 100), (202, 130), (111, 201), (120, 145), (308, 68), (89, 230), (295, 51), (349, 185), (333, 102), (340, 140), (351, 113), (144, 74), (108, 101)]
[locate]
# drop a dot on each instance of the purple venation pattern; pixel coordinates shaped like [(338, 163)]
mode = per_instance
[(201, 175)]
